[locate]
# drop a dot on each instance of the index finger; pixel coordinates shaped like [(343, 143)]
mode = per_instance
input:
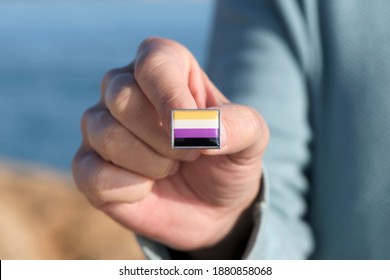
[(161, 69)]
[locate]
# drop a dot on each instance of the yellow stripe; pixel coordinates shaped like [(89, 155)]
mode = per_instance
[(195, 114)]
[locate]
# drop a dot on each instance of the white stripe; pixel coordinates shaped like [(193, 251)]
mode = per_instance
[(195, 123)]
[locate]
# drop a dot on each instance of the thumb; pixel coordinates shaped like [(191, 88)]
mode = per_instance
[(244, 133)]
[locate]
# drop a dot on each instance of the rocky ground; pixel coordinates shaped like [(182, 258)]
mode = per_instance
[(43, 216)]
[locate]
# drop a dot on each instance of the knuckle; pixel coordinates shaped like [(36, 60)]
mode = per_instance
[(155, 43), (150, 42), (153, 53), (148, 63), (89, 181), (107, 77), (125, 102), (110, 137), (118, 95), (86, 118), (77, 174), (111, 74), (104, 133), (121, 102), (99, 183)]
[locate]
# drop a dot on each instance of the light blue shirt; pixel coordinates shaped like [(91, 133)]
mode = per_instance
[(319, 72)]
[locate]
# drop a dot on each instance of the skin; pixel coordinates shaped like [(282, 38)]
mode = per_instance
[(197, 202)]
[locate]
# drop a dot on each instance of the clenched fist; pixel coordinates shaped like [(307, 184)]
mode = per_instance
[(193, 201)]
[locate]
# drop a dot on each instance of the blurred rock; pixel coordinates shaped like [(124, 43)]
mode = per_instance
[(43, 216)]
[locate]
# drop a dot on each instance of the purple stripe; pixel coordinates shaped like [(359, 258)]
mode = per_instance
[(196, 133)]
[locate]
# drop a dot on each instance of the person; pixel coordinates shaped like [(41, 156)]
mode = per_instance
[(315, 74)]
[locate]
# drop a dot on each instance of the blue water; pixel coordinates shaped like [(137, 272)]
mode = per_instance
[(54, 53)]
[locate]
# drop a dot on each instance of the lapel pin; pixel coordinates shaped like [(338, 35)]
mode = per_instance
[(196, 129)]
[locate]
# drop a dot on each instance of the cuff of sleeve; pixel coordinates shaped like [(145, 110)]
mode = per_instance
[(258, 216), (153, 250)]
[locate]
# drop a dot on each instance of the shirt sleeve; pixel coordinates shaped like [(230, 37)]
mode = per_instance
[(261, 55)]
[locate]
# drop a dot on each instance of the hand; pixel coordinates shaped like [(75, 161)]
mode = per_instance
[(188, 200)]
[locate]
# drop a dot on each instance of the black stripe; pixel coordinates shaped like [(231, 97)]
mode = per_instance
[(196, 142)]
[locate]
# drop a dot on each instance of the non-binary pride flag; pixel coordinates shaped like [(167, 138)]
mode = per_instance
[(195, 129)]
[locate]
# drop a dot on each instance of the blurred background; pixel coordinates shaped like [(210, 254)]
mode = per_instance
[(53, 55)]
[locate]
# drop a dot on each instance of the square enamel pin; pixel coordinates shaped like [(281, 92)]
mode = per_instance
[(195, 129)]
